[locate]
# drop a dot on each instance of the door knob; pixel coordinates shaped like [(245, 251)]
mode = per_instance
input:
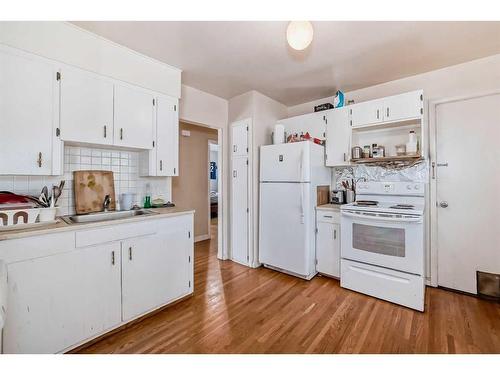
[(443, 204)]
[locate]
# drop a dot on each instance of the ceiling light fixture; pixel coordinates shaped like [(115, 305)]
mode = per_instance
[(299, 34)]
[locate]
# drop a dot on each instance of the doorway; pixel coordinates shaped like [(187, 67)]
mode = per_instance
[(465, 183), (213, 187), (192, 188)]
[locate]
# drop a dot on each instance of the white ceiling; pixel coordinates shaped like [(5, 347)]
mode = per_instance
[(230, 58)]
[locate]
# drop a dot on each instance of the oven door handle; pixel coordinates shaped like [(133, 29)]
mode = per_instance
[(384, 218)]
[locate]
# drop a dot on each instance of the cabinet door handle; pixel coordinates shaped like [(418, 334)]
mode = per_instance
[(121, 133), (335, 234), (105, 131), (234, 174), (235, 147), (113, 258), (388, 112), (328, 216), (161, 165), (344, 156), (39, 161), (130, 253), (378, 114)]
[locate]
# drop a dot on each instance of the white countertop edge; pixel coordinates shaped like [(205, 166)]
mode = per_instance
[(64, 227)]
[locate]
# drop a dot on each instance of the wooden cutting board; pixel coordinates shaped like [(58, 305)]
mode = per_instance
[(322, 195), (90, 189)]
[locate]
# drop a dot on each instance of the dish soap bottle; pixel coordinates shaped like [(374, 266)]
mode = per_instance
[(147, 198)]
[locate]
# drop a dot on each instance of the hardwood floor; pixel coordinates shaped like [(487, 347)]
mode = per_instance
[(240, 310)]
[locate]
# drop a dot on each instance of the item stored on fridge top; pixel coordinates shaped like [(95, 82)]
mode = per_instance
[(367, 151), (278, 134), (400, 150), (356, 152), (411, 145), (338, 100), (323, 107)]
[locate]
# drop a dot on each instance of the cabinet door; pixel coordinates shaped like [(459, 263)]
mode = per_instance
[(167, 137), (405, 106), (155, 269), (239, 210), (58, 301), (86, 107), (133, 118), (29, 114), (367, 113), (239, 138), (328, 249), (338, 137)]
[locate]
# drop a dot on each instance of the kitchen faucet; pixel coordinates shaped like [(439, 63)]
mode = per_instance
[(105, 204)]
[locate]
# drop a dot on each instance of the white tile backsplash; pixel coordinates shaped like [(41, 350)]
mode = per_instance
[(123, 164)]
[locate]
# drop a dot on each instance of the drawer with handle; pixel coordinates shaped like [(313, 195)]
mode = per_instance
[(326, 216)]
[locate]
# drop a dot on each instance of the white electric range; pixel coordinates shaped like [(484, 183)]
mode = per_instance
[(382, 252)]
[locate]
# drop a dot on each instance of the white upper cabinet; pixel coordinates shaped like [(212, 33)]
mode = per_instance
[(404, 107), (366, 113), (86, 107), (133, 117), (167, 136), (338, 137), (29, 115), (239, 139), (407, 106)]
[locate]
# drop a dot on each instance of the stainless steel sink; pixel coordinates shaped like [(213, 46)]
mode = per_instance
[(104, 216)]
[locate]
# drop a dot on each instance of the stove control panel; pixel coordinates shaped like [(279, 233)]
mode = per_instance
[(391, 188)]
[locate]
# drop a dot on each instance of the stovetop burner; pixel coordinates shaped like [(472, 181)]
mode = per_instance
[(403, 206), (366, 203)]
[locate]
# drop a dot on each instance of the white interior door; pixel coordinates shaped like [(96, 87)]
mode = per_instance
[(467, 133), (133, 118), (239, 138), (239, 210), (86, 107), (29, 98)]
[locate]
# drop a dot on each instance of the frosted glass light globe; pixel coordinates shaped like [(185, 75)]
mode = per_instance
[(299, 34)]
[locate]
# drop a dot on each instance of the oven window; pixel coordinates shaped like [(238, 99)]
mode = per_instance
[(379, 240)]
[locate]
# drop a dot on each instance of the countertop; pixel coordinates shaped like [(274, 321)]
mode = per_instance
[(329, 207), (62, 226)]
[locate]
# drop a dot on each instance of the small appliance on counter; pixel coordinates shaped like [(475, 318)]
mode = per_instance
[(338, 197)]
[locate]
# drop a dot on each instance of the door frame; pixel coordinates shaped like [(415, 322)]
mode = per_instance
[(432, 200), (211, 141), (222, 248)]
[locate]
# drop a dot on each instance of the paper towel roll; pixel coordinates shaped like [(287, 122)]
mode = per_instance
[(279, 134)]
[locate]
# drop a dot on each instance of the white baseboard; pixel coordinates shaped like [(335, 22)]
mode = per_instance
[(201, 237)]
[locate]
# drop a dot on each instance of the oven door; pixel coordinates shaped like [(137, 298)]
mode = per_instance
[(386, 240)]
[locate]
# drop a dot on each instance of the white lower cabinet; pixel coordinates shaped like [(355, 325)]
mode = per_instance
[(156, 268), (62, 299), (328, 243), (61, 295)]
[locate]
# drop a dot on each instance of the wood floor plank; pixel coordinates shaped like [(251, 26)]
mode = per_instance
[(236, 309)]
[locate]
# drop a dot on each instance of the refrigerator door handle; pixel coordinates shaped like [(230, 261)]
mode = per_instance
[(302, 203)]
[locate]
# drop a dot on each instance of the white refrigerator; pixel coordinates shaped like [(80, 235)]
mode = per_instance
[(289, 175)]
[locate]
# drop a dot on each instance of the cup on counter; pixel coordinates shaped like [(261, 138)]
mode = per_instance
[(349, 195)]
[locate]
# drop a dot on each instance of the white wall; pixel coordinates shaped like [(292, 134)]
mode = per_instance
[(72, 45), (199, 107), (470, 78)]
